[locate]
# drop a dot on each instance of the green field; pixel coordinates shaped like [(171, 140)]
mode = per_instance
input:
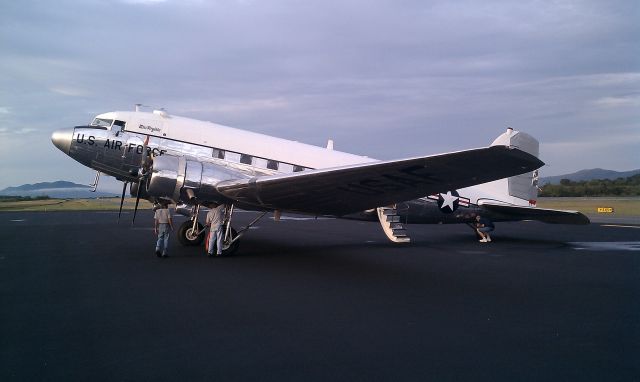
[(102, 204), (589, 206)]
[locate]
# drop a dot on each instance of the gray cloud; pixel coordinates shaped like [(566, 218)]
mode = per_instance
[(385, 79)]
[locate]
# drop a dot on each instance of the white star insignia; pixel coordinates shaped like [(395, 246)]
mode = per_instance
[(448, 200)]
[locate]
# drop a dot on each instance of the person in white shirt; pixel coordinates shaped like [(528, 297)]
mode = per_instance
[(163, 225), (214, 220)]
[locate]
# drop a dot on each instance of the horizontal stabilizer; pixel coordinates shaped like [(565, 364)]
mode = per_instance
[(343, 190), (540, 214)]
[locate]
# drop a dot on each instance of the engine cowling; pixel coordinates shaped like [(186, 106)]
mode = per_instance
[(134, 192), (181, 179)]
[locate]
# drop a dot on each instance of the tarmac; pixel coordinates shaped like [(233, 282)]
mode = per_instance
[(83, 298)]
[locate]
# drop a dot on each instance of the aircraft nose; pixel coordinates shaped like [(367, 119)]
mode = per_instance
[(62, 139)]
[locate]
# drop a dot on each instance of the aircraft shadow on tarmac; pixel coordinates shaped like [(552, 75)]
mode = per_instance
[(266, 247)]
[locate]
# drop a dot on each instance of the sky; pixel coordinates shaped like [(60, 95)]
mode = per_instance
[(385, 79)]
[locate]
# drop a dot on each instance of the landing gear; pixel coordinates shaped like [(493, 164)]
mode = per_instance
[(229, 245), (192, 233), (187, 236)]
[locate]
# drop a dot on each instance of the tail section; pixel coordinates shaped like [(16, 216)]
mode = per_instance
[(513, 198), (524, 186), (521, 190)]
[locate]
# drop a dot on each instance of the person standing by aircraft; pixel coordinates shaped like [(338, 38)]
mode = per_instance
[(215, 218), (483, 227), (163, 225)]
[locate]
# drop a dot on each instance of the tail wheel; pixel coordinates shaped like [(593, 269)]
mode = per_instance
[(186, 235)]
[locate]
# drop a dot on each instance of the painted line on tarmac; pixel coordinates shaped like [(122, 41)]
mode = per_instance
[(301, 219), (606, 245), (18, 220), (621, 226)]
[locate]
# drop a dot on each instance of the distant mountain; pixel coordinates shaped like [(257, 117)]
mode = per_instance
[(595, 173), (58, 189)]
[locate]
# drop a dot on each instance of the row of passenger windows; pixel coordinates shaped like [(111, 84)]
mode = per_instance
[(257, 162), (230, 156)]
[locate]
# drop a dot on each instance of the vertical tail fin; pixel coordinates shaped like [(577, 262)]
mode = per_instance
[(525, 186)]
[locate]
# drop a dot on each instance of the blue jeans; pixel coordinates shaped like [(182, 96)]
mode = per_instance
[(163, 238), (216, 235)]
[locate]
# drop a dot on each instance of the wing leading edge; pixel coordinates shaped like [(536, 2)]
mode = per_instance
[(343, 190)]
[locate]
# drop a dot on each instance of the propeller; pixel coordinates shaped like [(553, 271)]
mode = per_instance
[(124, 189), (142, 175)]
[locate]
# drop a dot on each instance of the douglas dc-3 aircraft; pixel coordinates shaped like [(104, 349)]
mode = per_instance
[(192, 163)]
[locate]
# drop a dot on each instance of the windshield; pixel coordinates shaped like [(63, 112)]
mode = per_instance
[(101, 122)]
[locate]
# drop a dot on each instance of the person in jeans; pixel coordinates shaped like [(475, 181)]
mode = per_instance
[(163, 225), (215, 218), (483, 227)]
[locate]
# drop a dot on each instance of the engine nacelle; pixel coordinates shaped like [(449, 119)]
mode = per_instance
[(133, 191), (182, 179)]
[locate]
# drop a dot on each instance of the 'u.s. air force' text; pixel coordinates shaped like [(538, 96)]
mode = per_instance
[(114, 144)]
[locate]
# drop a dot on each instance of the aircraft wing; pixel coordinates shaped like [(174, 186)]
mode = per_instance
[(540, 214), (343, 190)]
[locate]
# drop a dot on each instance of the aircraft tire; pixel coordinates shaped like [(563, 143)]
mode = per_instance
[(234, 247), (183, 231)]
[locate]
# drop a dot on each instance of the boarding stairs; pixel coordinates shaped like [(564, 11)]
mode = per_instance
[(391, 225)]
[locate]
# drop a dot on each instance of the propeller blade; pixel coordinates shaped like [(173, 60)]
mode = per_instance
[(124, 189), (135, 209), (144, 151), (142, 177)]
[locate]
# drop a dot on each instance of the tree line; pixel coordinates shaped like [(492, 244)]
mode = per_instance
[(16, 198), (598, 187)]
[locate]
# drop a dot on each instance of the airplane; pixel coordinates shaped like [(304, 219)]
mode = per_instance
[(192, 163)]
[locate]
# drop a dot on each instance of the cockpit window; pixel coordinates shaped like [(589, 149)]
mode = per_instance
[(101, 122), (119, 124)]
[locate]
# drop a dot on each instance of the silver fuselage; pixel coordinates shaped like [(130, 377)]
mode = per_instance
[(121, 153)]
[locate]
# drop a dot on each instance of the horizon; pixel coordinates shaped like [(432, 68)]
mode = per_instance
[(118, 189)]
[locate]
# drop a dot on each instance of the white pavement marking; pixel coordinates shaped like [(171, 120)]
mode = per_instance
[(621, 226), (606, 245), (294, 218), (18, 220)]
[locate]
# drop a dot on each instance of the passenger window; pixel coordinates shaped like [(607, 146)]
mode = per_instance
[(286, 167), (217, 153), (272, 165), (259, 162), (298, 168), (232, 157), (246, 159)]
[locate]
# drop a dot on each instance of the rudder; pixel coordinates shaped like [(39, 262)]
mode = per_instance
[(523, 186)]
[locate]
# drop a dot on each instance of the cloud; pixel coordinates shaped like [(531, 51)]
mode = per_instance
[(236, 106), (430, 76), (592, 153), (618, 102), (143, 2), (18, 131), (69, 91)]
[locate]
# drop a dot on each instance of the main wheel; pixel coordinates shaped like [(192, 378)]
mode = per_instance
[(230, 250), (187, 237)]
